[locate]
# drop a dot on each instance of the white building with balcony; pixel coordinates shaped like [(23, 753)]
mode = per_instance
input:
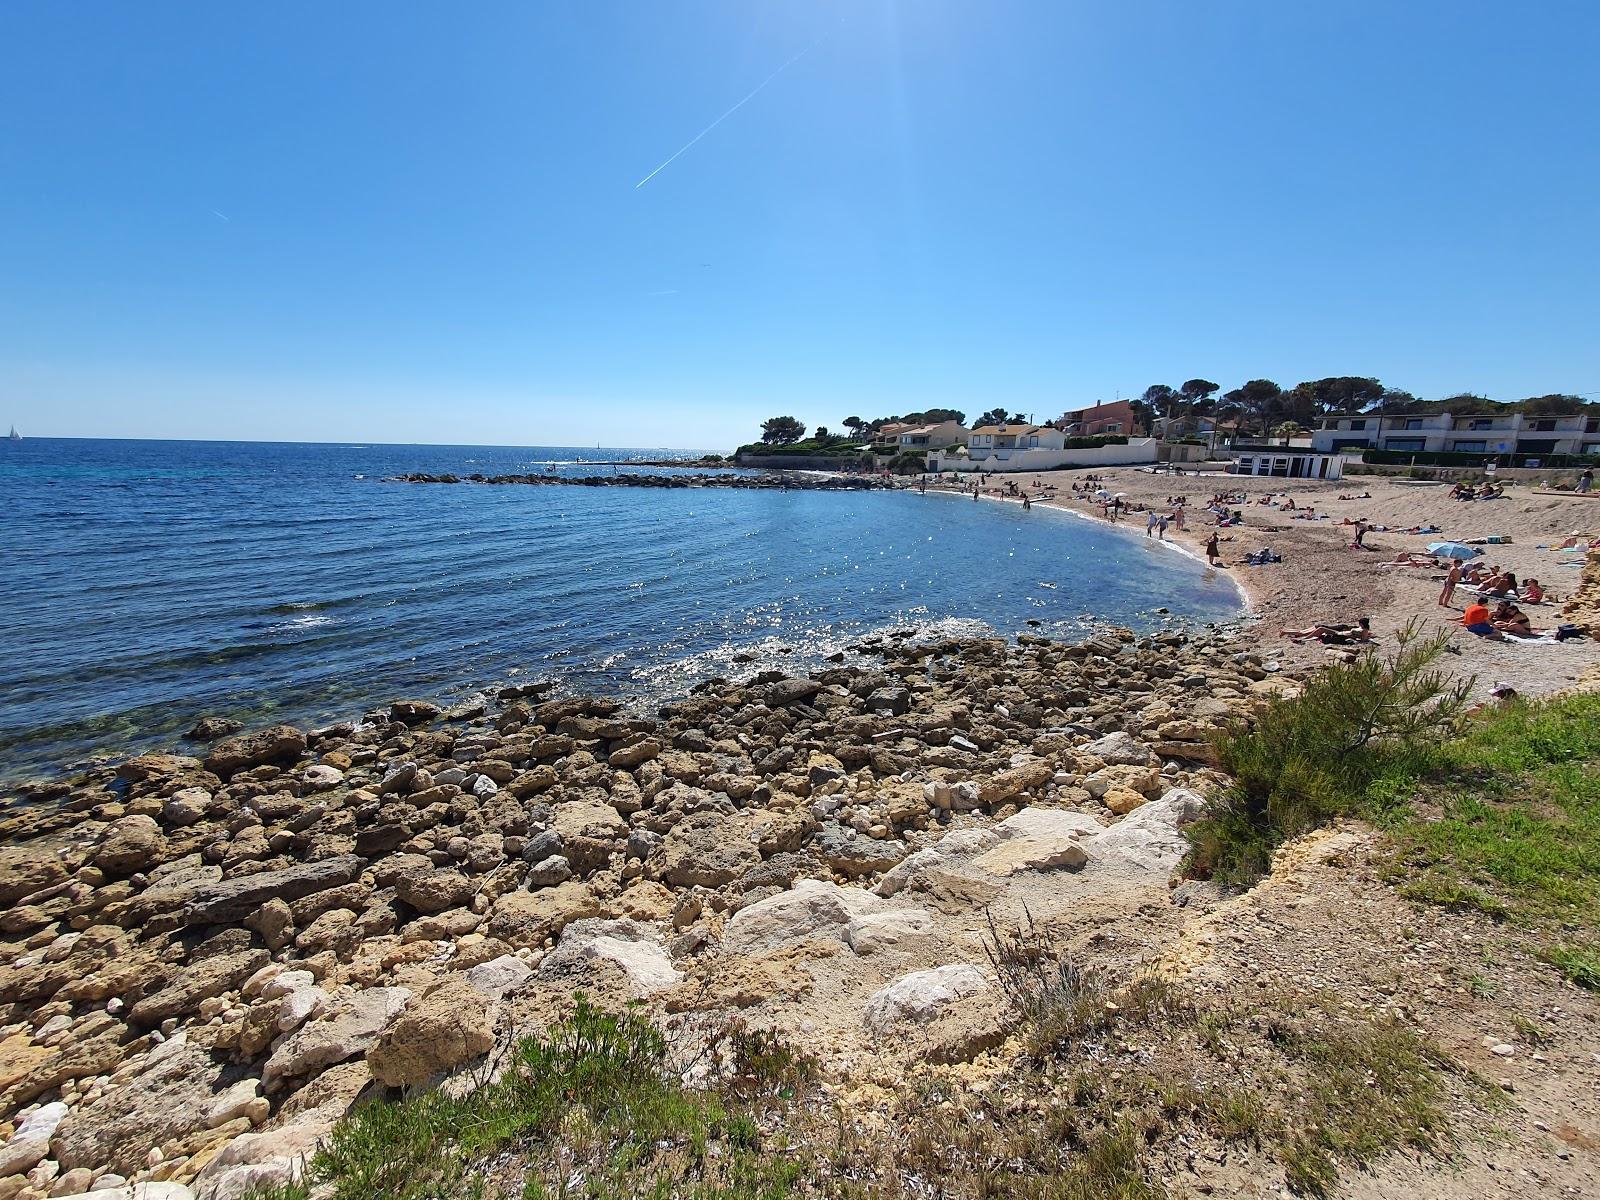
[(1465, 433)]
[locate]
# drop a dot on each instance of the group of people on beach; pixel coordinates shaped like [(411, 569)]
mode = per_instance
[(1488, 491)]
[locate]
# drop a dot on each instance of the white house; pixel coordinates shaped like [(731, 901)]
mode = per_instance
[(1284, 463), (1000, 442), (1504, 432), (932, 437)]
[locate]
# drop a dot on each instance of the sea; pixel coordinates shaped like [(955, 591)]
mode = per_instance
[(147, 583)]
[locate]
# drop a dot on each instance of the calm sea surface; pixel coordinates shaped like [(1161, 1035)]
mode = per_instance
[(147, 583)]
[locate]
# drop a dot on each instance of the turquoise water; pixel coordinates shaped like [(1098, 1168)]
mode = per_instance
[(148, 583)]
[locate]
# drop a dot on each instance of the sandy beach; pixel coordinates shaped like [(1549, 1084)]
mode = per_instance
[(1322, 578)]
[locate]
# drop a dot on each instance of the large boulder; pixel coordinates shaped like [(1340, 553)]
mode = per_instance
[(413, 712), (853, 854), (626, 944), (921, 996), (275, 744), (811, 909), (443, 1028), (1151, 837), (1038, 839), (528, 918), (197, 982), (30, 1142), (1120, 747), (348, 1031), (1025, 778), (131, 845), (25, 870), (166, 1099), (707, 849), (224, 901), (432, 891)]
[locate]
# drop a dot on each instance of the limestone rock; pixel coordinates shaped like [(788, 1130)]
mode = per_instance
[(631, 946), (1121, 747), (707, 849), (196, 982), (443, 1028), (876, 932), (31, 1140), (413, 712), (527, 918), (275, 744), (854, 854), (1149, 837), (921, 996), (431, 891), (499, 975), (165, 1100), (25, 870), (229, 900), (1025, 778), (349, 1030), (812, 908), (132, 844)]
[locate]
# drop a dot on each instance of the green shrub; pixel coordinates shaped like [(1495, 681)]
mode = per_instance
[(1310, 758)]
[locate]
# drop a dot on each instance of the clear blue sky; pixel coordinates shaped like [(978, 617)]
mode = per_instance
[(419, 222)]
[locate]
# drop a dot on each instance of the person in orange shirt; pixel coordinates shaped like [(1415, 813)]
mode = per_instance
[(1476, 620)]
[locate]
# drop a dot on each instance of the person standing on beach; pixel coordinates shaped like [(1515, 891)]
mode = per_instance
[(1150, 524), (1361, 534), (1161, 529), (1450, 581), (1213, 551), (1586, 481)]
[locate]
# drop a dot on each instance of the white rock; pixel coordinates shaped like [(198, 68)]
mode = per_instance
[(299, 1006), (321, 777), (922, 995), (881, 931), (499, 975), (812, 908), (30, 1143), (1047, 823), (1150, 837), (236, 1101), (632, 946), (1121, 747)]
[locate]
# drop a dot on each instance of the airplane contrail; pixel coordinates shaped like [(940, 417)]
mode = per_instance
[(726, 115), (224, 216)]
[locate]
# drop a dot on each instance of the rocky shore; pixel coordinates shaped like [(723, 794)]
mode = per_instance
[(776, 481), (209, 958)]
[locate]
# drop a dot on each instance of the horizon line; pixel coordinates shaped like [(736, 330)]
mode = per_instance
[(351, 442)]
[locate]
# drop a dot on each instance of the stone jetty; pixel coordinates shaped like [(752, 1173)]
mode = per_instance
[(778, 481), (209, 956)]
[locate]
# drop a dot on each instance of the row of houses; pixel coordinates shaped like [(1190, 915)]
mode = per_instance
[(1505, 432), (1100, 420)]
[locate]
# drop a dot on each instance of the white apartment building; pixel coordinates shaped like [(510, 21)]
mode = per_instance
[(1469, 433)]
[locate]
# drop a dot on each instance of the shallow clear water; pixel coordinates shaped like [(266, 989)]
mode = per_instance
[(147, 583)]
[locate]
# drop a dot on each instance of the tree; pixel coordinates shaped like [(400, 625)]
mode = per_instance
[(782, 431), (822, 433), (1160, 400), (937, 416), (1396, 401), (1345, 393), (1197, 391), (997, 416), (1256, 402), (1554, 405), (854, 424), (1466, 403)]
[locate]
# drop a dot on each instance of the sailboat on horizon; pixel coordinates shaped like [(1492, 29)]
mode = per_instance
[(13, 436)]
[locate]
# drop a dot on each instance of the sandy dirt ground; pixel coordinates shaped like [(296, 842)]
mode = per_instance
[(1322, 578)]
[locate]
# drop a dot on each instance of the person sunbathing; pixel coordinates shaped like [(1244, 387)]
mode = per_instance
[(1502, 584), (1508, 618), (1532, 593), (1333, 635)]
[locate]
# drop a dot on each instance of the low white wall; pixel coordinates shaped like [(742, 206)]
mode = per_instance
[(1136, 450)]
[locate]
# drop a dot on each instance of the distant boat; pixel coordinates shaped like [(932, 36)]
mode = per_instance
[(13, 436)]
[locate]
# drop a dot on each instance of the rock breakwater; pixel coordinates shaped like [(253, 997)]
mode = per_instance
[(209, 957), (778, 481)]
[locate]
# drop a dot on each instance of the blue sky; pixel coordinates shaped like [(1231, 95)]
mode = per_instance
[(419, 222)]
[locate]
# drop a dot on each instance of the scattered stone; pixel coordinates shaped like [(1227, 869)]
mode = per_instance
[(921, 996)]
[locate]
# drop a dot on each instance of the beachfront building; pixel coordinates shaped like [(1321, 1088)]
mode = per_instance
[(1001, 442), (1503, 431), (1284, 463), (1027, 447), (1100, 419), (933, 437)]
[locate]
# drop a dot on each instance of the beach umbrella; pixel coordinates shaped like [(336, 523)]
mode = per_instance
[(1102, 493), (1453, 550)]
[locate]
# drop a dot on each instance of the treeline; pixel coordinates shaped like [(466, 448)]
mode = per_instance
[(1263, 405)]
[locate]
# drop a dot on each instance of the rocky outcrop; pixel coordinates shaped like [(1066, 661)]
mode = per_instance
[(275, 744), (444, 1027)]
